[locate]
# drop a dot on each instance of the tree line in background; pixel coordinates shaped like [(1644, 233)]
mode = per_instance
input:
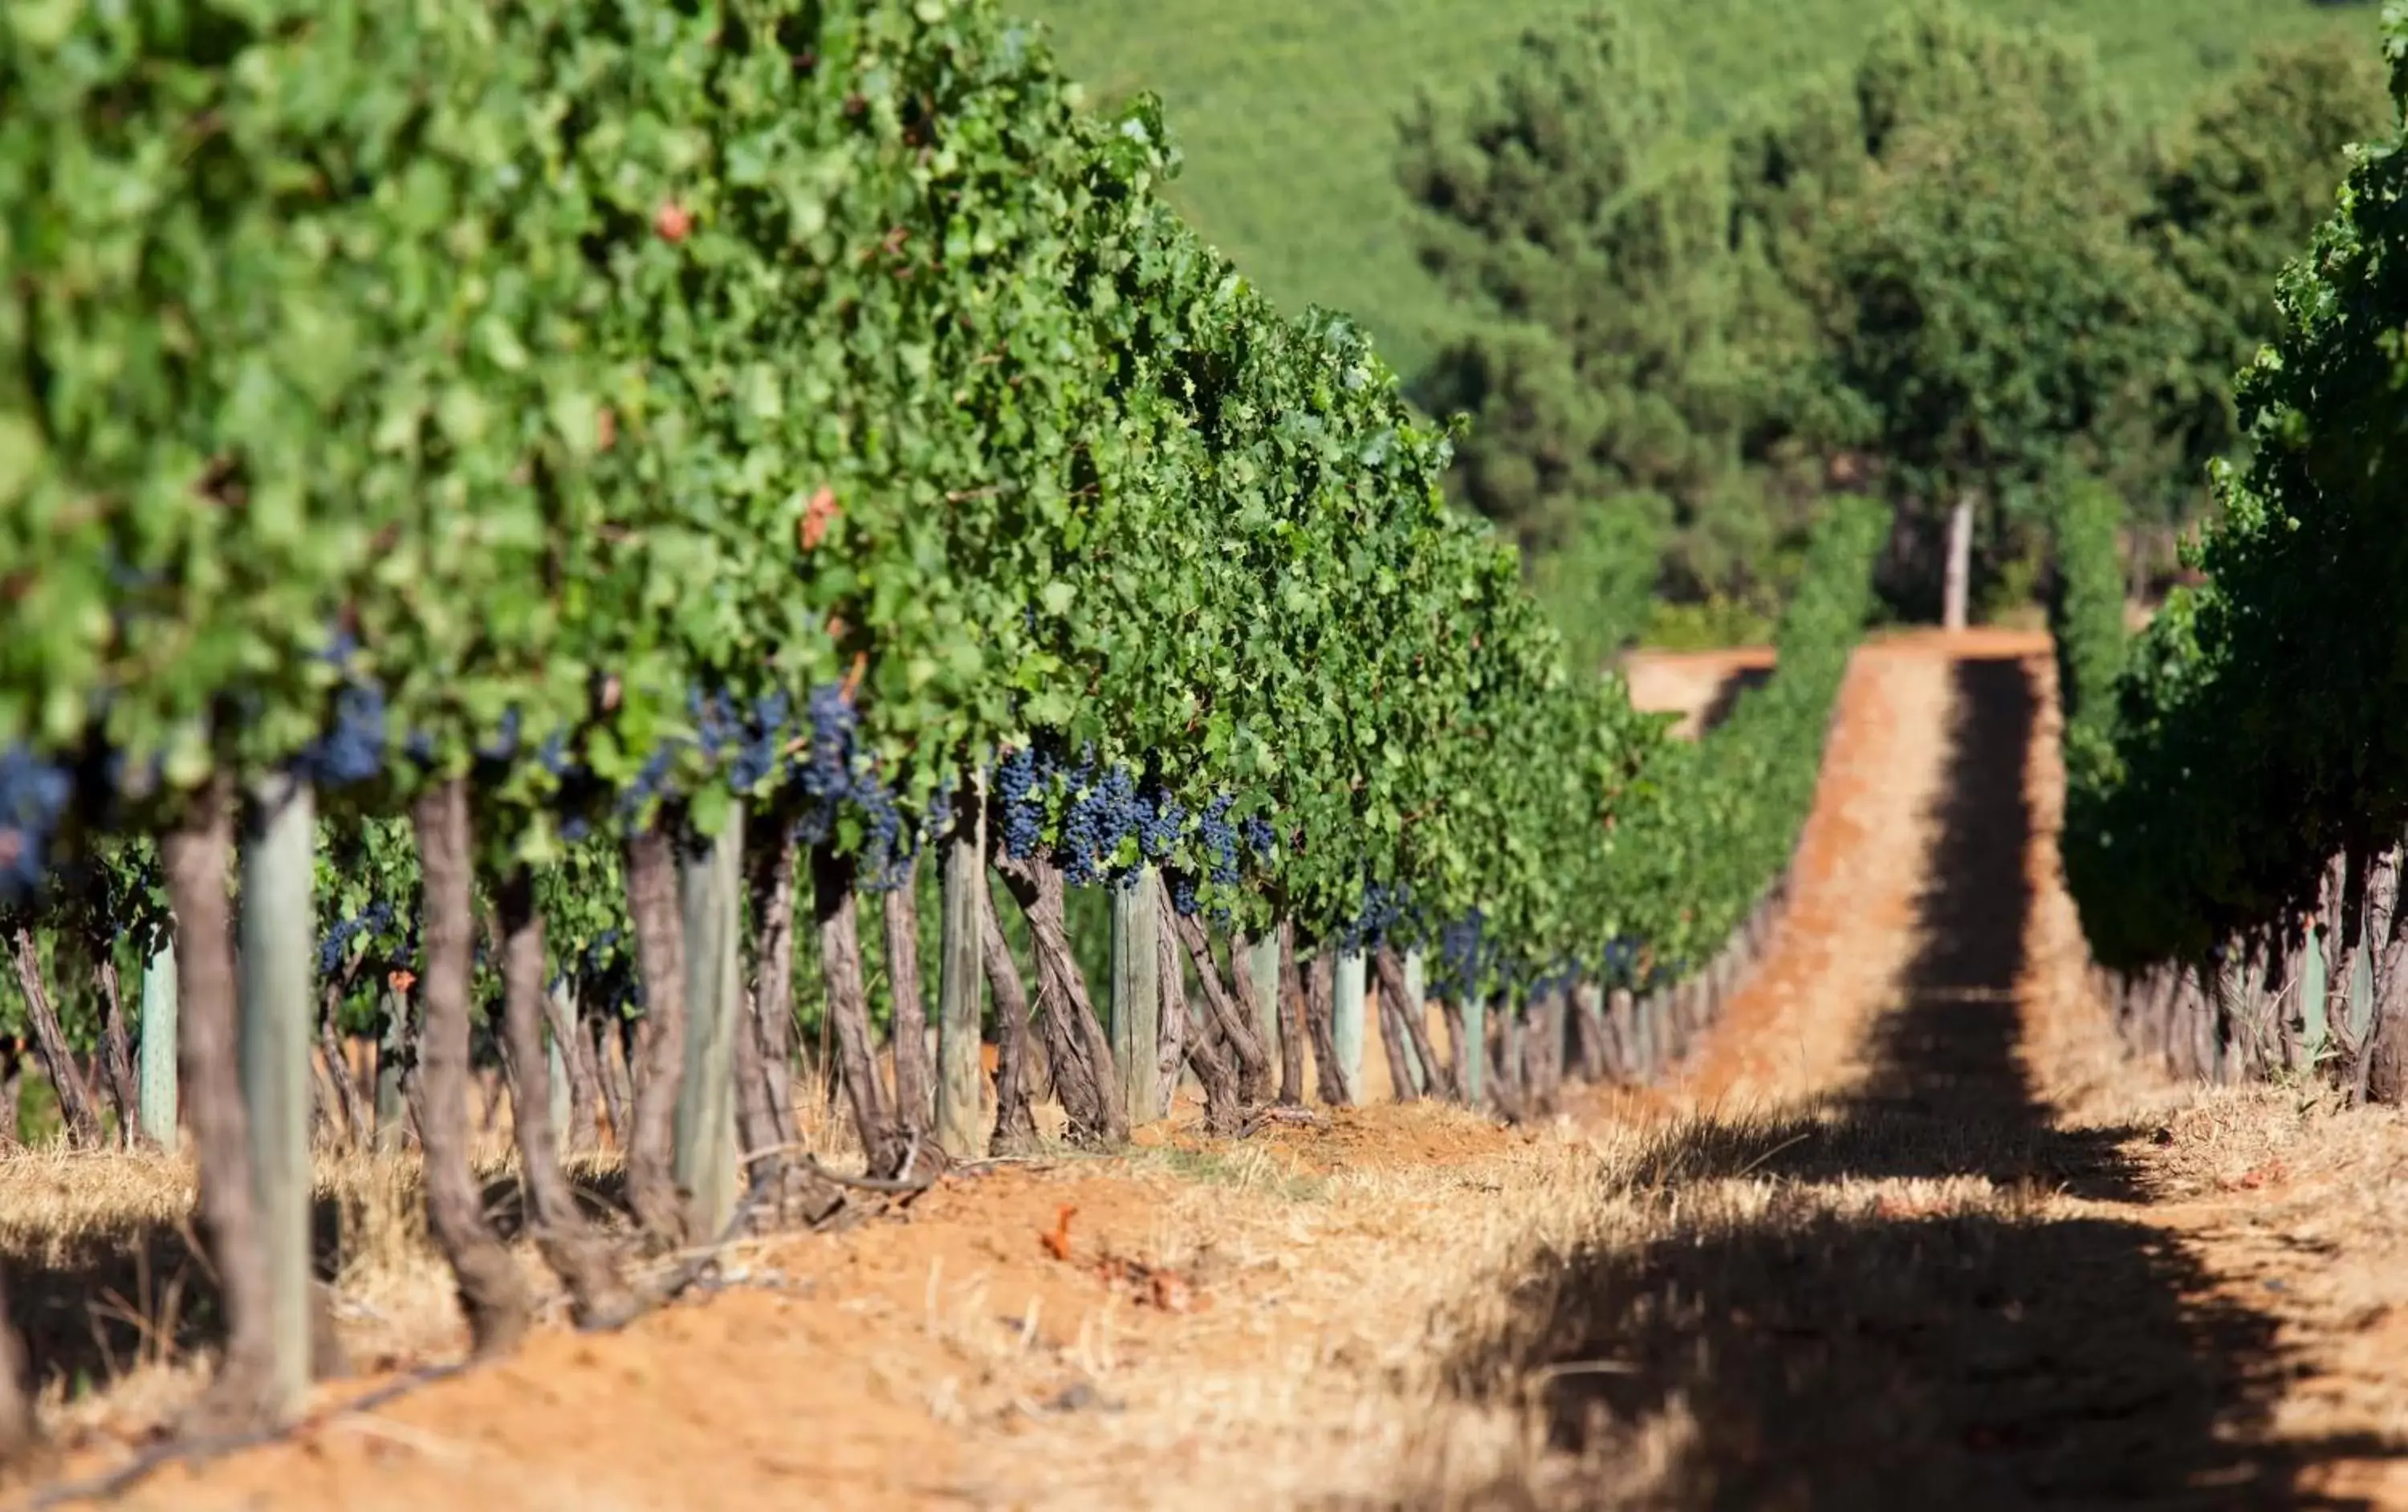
[(1952, 275)]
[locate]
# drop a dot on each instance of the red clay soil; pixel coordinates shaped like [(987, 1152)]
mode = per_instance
[(1691, 683), (809, 1382)]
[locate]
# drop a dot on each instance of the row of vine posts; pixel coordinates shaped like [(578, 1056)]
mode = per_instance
[(1238, 1021)]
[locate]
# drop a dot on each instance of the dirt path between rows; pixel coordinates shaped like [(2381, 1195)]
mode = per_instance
[(1995, 1263), (1910, 1233)]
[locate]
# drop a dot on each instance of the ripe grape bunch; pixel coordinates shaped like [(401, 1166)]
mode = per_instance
[(334, 946), (34, 799), (352, 749), (1387, 911), (1463, 952), (1107, 822)]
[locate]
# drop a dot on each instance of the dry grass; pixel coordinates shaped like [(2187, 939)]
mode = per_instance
[(109, 1285)]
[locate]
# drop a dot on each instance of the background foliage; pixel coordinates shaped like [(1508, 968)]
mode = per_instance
[(1694, 272)]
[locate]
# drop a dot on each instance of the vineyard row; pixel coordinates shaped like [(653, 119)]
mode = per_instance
[(522, 511), (2238, 775)]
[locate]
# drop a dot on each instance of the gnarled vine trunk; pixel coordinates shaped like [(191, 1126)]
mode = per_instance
[(1224, 1110), (1588, 1029), (770, 1089), (493, 1293), (654, 906), (2384, 1075), (1437, 1080), (117, 1049), (1252, 1063), (1015, 1120), (885, 1137), (1392, 1045), (1458, 1063), (1290, 1019), (51, 1043), (598, 1297), (562, 1014), (197, 856), (358, 1125), (610, 1070), (915, 1080), (1078, 1052), (1319, 1012)]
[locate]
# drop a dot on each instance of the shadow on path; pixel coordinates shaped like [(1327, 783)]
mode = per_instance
[(1726, 697), (1946, 1338), (93, 1304)]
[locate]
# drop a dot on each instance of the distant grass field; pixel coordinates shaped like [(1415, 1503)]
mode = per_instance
[(1287, 109)]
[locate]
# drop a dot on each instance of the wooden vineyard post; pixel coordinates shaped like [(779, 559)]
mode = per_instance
[(961, 967), (2224, 992), (712, 900), (156, 1058), (391, 1107), (1622, 1016), (1263, 977), (1473, 1052), (279, 931), (1346, 1021), (1955, 585), (556, 1065), (2361, 993), (1137, 994), (2315, 1032), (1514, 1076), (1417, 1003)]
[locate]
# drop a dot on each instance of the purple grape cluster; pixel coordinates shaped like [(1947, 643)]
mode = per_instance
[(1100, 813), (833, 772), (1260, 837), (749, 741), (34, 798), (817, 762), (1557, 978), (884, 862), (596, 964), (1384, 910), (1218, 840), (1622, 957), (650, 779), (335, 944), (353, 751), (1184, 890), (1465, 955), (1099, 807), (825, 775), (1162, 821), (1021, 801), (504, 746)]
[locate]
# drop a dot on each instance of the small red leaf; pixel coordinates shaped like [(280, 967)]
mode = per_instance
[(818, 515)]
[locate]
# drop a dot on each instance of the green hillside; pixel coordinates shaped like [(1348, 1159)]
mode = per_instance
[(1287, 109)]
